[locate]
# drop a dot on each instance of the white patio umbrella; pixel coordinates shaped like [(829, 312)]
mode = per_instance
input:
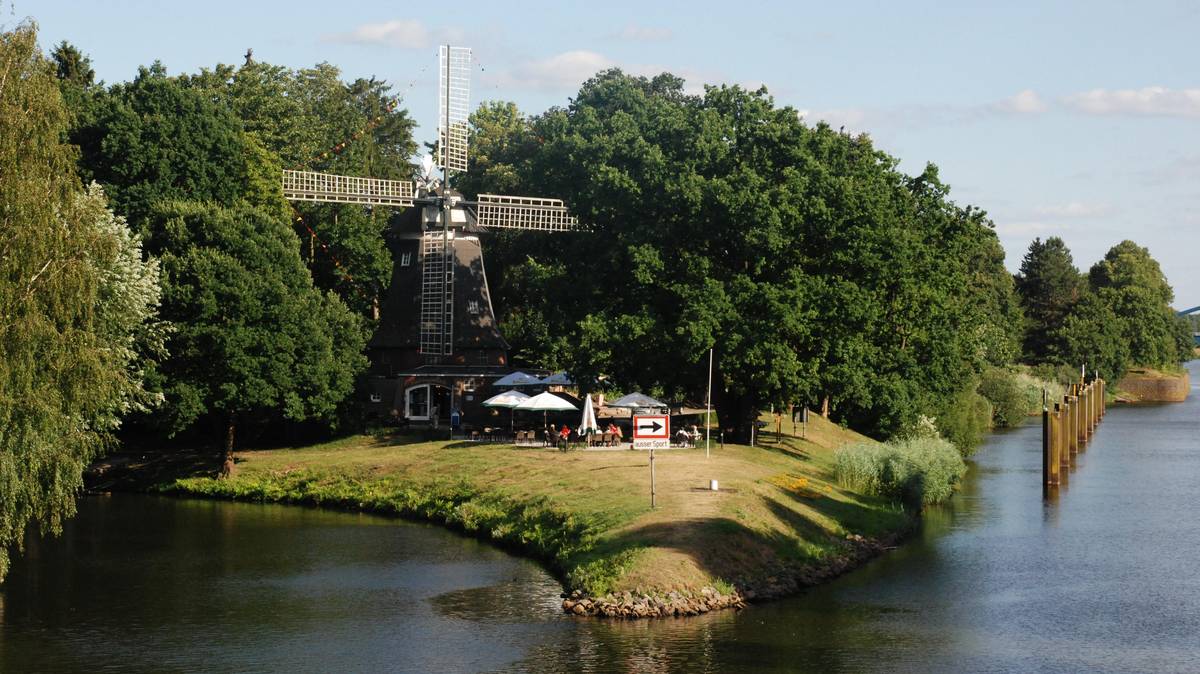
[(588, 423), (517, 379), (544, 403), (509, 399), (637, 401)]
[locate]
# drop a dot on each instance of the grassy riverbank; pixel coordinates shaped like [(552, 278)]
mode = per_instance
[(779, 521)]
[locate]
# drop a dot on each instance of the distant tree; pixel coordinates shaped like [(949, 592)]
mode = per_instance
[(1048, 285), (1185, 342), (77, 305), (1091, 335), (72, 66), (1132, 284)]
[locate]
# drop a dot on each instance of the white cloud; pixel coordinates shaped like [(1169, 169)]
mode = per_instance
[(856, 119), (401, 33), (917, 116), (632, 32), (1147, 101), (1074, 209), (562, 71), (1027, 228), (566, 71), (1023, 102)]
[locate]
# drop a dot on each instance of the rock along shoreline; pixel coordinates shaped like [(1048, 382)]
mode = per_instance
[(780, 582)]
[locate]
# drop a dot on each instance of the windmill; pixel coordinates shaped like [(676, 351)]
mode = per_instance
[(439, 230)]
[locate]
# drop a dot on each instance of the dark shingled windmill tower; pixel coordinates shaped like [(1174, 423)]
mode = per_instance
[(437, 340)]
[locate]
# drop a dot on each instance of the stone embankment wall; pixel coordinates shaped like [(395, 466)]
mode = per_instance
[(1148, 386)]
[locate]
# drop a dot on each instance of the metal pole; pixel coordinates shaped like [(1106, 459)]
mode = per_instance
[(708, 407), (652, 505)]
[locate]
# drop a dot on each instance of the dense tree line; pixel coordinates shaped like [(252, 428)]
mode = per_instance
[(818, 272), (1117, 315), (194, 163)]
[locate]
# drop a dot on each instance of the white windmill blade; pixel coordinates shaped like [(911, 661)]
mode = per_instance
[(454, 93), (331, 188), (508, 212)]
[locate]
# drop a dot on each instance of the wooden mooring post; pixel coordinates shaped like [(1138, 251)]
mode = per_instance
[(1067, 428), (1051, 445)]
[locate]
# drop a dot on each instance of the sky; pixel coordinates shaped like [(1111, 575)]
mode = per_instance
[(1071, 119)]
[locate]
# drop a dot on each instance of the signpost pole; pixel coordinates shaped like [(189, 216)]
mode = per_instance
[(652, 505), (650, 432)]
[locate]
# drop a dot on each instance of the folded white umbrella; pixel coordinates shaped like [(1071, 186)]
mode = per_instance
[(588, 424)]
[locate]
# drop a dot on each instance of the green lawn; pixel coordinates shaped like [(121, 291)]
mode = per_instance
[(587, 513)]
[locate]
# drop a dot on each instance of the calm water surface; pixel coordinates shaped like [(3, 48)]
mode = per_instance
[(1103, 579)]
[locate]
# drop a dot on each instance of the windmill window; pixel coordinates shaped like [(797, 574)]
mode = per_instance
[(405, 259), (473, 307)]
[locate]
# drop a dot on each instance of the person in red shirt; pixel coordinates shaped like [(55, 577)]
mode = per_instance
[(564, 435)]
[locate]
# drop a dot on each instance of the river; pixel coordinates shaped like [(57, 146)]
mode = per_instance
[(1102, 578)]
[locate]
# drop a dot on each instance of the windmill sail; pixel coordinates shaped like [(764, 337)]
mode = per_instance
[(505, 212), (331, 188), (443, 241), (454, 96)]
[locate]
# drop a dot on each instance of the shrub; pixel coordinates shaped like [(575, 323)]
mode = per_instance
[(1032, 388), (964, 418), (1010, 404), (915, 471)]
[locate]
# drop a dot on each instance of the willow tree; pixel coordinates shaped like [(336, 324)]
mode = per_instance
[(77, 304)]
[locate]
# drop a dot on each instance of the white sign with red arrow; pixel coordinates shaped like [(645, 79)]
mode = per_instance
[(651, 431)]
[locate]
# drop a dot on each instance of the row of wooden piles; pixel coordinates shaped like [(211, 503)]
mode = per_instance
[(1067, 428)]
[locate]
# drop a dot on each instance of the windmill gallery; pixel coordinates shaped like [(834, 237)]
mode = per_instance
[(437, 341)]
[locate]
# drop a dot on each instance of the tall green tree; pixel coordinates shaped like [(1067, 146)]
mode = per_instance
[(254, 340), (1049, 285), (72, 66), (77, 305), (1091, 335), (311, 119), (812, 267), (1132, 284)]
